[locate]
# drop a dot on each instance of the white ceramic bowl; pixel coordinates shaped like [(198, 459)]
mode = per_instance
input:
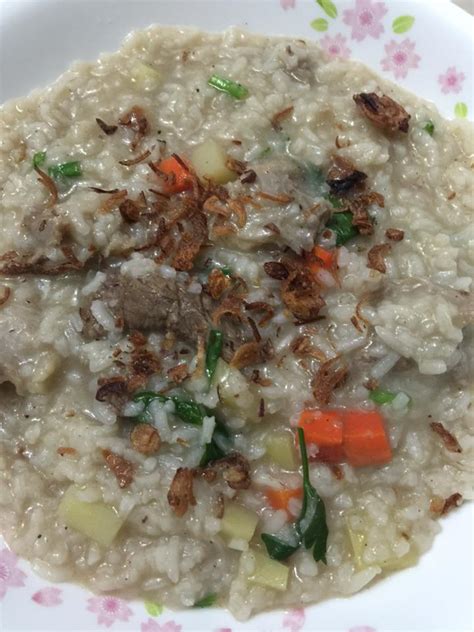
[(424, 45)]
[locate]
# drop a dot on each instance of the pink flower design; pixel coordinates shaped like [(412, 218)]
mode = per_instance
[(335, 46), (288, 4), (400, 57), (153, 626), (294, 620), (362, 628), (48, 597), (365, 19), (109, 610), (10, 575), (223, 630), (451, 81)]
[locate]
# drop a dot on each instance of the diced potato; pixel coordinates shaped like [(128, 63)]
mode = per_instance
[(209, 162), (359, 541), (235, 392), (281, 449), (238, 523), (145, 76), (268, 572), (97, 521)]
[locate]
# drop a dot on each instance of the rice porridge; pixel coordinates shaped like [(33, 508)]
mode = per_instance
[(236, 323)]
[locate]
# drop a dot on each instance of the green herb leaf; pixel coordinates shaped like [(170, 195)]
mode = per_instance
[(39, 158), (186, 409), (461, 110), (379, 396), (278, 549), (319, 25), (206, 602), (234, 89), (314, 180), (403, 24), (213, 351), (341, 224), (67, 170), (148, 396), (153, 609), (429, 127), (312, 524), (266, 152), (328, 7)]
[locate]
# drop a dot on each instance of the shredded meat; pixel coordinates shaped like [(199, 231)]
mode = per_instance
[(180, 494), (107, 129), (449, 440), (217, 283), (301, 295), (251, 353), (330, 375), (122, 468), (113, 390), (135, 120), (342, 177), (281, 116), (49, 183), (276, 270), (394, 234), (375, 257), (6, 295), (178, 373), (383, 111), (145, 439)]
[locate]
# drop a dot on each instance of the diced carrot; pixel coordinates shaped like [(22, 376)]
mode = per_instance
[(279, 498), (330, 454), (178, 175), (326, 257), (365, 438), (324, 428)]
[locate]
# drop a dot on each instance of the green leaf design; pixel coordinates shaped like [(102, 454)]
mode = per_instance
[(328, 7), (461, 110), (320, 25), (403, 23), (153, 609)]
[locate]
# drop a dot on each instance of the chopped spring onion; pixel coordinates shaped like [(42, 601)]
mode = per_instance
[(341, 225), (39, 158), (213, 351), (234, 89), (66, 169), (206, 602), (335, 201), (379, 396), (311, 527), (429, 127)]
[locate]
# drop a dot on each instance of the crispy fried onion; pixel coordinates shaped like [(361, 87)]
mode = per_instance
[(376, 257), (135, 161), (145, 439), (113, 390), (301, 294), (191, 242), (49, 183), (15, 264), (178, 373), (131, 210), (343, 176), (329, 376), (113, 201), (252, 353), (107, 129), (180, 494), (394, 234), (276, 270), (121, 468), (261, 306), (383, 111), (450, 442), (279, 117), (217, 283), (442, 506), (231, 306), (237, 166), (135, 120), (235, 471), (5, 295), (359, 205), (302, 347)]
